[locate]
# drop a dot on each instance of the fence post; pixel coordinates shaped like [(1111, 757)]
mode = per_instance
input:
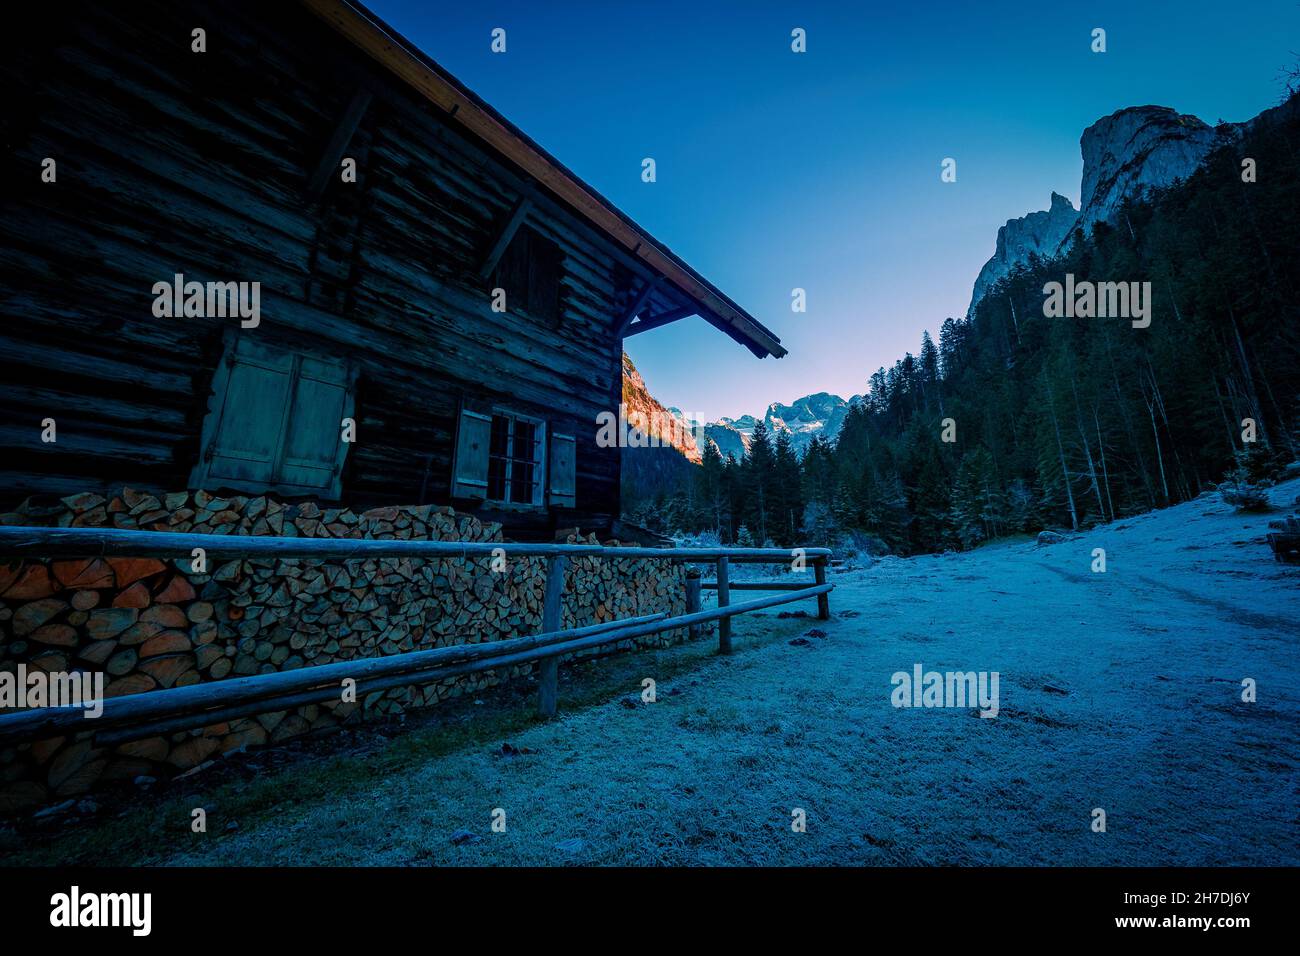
[(693, 599), (823, 600), (548, 673), (724, 598)]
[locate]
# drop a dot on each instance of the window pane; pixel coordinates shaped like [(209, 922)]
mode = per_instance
[(514, 460), (496, 489), (525, 433), (521, 482), (498, 458), (500, 436)]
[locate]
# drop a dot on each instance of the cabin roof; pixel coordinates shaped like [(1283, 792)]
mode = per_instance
[(462, 107)]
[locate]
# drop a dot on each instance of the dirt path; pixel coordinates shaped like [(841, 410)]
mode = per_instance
[(1119, 690)]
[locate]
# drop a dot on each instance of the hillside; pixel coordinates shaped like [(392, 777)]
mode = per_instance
[(1015, 420), (1126, 156)]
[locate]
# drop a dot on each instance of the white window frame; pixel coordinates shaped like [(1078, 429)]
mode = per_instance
[(540, 481)]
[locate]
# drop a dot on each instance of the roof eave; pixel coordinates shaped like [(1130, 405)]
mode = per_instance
[(405, 61)]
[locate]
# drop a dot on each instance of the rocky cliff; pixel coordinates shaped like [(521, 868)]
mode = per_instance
[(1124, 155), (818, 414), (1136, 149), (1038, 233), (666, 424)]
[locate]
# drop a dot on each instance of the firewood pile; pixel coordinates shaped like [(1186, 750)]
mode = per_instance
[(149, 624)]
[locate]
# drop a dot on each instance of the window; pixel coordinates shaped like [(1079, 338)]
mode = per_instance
[(275, 421), (512, 460), (530, 271), (515, 460)]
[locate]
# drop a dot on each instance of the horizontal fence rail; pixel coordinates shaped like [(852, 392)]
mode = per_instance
[(18, 541), (760, 585), (157, 712)]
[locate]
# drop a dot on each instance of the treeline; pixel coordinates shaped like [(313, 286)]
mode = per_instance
[(1060, 422)]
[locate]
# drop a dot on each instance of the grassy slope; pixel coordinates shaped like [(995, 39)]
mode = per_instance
[(1118, 690)]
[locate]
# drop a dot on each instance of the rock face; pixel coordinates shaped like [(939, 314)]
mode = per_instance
[(812, 415), (667, 424), (732, 435), (1038, 233), (1135, 149), (1124, 155)]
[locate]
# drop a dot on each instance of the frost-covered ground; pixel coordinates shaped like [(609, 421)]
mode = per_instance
[(1119, 691)]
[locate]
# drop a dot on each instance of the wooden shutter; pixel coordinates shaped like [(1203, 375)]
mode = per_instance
[(313, 448), (545, 266), (470, 466), (511, 272), (562, 471), (242, 437), (275, 421)]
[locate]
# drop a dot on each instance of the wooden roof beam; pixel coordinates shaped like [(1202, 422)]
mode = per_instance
[(342, 135), (508, 229), (637, 305), (659, 320), (419, 72)]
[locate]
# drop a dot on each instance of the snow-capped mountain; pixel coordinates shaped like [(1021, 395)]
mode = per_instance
[(818, 414), (805, 418)]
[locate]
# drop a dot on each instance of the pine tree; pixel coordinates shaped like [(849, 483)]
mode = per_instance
[(818, 467), (976, 500), (709, 484), (928, 375), (888, 514), (732, 498), (932, 506), (787, 497), (759, 479)]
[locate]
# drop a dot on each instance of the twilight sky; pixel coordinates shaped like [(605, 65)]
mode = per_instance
[(821, 170)]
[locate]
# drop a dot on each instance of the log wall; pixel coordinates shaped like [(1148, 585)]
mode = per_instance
[(170, 161)]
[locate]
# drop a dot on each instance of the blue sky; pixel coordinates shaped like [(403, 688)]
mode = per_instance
[(821, 170)]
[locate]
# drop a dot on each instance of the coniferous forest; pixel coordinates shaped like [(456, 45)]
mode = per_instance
[(1058, 422)]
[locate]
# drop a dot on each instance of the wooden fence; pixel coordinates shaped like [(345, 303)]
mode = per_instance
[(157, 712)]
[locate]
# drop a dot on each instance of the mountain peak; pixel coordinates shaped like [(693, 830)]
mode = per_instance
[(1135, 149), (1132, 150), (820, 414), (1038, 233)]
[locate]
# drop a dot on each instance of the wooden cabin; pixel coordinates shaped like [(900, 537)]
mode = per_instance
[(305, 159)]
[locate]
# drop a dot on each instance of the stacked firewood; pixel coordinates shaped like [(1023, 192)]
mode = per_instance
[(150, 624)]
